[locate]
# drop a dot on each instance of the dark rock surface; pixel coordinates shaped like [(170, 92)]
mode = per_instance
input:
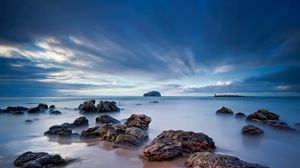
[(107, 106), (87, 106), (11, 109), (42, 106), (52, 107), (62, 130), (81, 121), (34, 110), (106, 119), (262, 115), (170, 144), (138, 120), (224, 110), (152, 94), (240, 115), (211, 160), (252, 130), (55, 112), (38, 160), (132, 137)]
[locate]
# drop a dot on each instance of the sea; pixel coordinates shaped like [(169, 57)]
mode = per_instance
[(275, 148)]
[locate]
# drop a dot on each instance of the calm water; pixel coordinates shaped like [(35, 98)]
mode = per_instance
[(275, 148)]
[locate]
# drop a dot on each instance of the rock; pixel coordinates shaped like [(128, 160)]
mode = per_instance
[(107, 132), (55, 112), (262, 115), (81, 121), (212, 160), (18, 113), (52, 107), (240, 115), (28, 121), (191, 141), (224, 110), (133, 136), (87, 106), (158, 151), (138, 120), (92, 133), (252, 130), (278, 125), (107, 106), (62, 130), (152, 94), (42, 106), (34, 110), (93, 101), (38, 160), (105, 119), (11, 109), (154, 101)]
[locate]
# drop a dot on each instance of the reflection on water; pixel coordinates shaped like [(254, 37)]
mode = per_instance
[(274, 148)]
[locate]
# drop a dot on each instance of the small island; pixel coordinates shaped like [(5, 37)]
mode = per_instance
[(228, 95), (152, 94)]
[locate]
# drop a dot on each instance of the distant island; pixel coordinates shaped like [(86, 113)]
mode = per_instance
[(152, 94), (228, 95)]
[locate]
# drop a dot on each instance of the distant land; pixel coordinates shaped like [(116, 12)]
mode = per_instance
[(228, 95)]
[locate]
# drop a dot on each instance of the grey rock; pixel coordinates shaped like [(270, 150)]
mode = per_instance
[(107, 106), (138, 120), (252, 130), (42, 106), (224, 110), (152, 94), (106, 119)]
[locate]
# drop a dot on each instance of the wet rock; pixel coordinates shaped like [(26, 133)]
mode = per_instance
[(262, 115), (191, 141), (278, 125), (138, 120), (62, 130), (18, 113), (132, 137), (42, 106), (107, 106), (252, 130), (240, 115), (93, 101), (105, 119), (52, 107), (38, 160), (34, 110), (224, 110), (55, 112), (87, 106), (81, 121), (11, 109), (211, 160), (107, 132), (152, 94), (158, 151), (92, 133)]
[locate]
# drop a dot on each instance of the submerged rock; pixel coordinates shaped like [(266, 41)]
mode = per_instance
[(240, 115), (107, 106), (138, 120), (132, 137), (11, 109), (278, 125), (262, 115), (212, 160), (38, 160), (42, 106), (62, 130), (152, 94), (106, 119), (252, 130), (154, 102), (18, 113), (33, 110), (52, 107), (224, 110), (55, 112), (170, 144)]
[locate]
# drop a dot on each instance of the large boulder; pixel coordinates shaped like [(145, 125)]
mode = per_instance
[(170, 144), (38, 160), (224, 110), (152, 94), (87, 106), (252, 130), (81, 121), (212, 160), (138, 120), (62, 130), (158, 151), (262, 115), (106, 119), (132, 137), (107, 106), (42, 106)]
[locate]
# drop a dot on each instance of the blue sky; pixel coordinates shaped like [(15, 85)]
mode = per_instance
[(128, 47)]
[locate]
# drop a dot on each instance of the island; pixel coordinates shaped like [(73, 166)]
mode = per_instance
[(228, 95), (152, 94)]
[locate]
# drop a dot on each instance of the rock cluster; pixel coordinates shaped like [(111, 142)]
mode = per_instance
[(224, 110), (170, 144), (103, 106), (252, 130), (38, 160), (132, 133), (212, 160)]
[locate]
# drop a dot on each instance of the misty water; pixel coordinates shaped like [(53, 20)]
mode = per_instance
[(275, 148)]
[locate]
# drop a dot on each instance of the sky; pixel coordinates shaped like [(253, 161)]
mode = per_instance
[(128, 47)]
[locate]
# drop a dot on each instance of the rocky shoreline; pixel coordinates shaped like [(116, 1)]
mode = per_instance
[(197, 147)]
